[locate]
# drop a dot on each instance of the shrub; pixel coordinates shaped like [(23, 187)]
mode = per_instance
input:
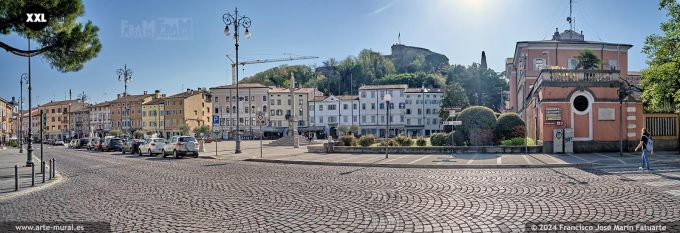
[(421, 141), (344, 129), (348, 140), (509, 125), (439, 139), (478, 125), (458, 137), (403, 140), (518, 141), (390, 142), (367, 140)]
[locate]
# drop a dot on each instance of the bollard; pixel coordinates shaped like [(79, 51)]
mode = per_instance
[(32, 175), (54, 168), (42, 163), (16, 178), (50, 169)]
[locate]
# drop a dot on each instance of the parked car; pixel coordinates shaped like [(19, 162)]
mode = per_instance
[(152, 146), (92, 143), (113, 144), (132, 146), (58, 143), (72, 143), (82, 143), (181, 145)]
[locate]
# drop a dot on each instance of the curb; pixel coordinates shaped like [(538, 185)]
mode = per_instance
[(12, 195), (443, 166)]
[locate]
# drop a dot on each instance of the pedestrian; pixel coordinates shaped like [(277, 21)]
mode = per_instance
[(647, 146)]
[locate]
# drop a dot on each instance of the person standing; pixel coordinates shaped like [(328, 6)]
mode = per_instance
[(647, 146)]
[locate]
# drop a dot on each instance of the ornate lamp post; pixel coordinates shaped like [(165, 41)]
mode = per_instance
[(387, 98), (24, 77), (125, 76), (236, 22)]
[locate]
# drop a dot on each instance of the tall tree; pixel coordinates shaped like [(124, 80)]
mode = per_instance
[(454, 97), (661, 80), (65, 43), (587, 60)]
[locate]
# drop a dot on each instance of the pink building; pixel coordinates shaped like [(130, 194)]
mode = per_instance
[(580, 107)]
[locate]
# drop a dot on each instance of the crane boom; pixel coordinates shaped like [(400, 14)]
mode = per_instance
[(233, 65)]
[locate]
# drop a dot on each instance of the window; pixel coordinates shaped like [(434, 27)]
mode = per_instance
[(372, 94), (320, 108), (363, 119), (363, 94), (278, 102), (372, 106), (572, 63), (227, 98), (320, 119), (331, 119), (539, 63), (311, 107), (420, 111), (372, 119), (345, 106), (354, 118), (363, 106), (613, 64), (408, 111), (331, 107), (382, 105), (354, 106), (581, 103), (264, 98), (216, 99), (345, 119), (217, 110)]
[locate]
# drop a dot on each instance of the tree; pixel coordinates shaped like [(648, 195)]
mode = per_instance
[(587, 60), (454, 97), (492, 84), (184, 129), (203, 129), (344, 129), (83, 97), (115, 133), (354, 129), (661, 80), (65, 43)]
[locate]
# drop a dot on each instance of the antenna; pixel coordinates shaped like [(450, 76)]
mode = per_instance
[(571, 19)]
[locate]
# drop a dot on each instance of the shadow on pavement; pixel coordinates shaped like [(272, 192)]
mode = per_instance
[(359, 169)]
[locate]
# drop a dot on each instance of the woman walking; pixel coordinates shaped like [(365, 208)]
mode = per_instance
[(647, 146)]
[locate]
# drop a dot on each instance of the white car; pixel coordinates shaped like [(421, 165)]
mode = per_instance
[(73, 143), (152, 146), (58, 143), (179, 146)]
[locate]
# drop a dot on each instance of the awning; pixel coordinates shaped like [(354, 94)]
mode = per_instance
[(273, 130), (312, 128)]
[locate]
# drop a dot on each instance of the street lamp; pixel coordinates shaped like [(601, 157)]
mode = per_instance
[(125, 76), (236, 21), (24, 77), (387, 98)]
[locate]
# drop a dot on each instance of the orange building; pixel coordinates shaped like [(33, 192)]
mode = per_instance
[(568, 109)]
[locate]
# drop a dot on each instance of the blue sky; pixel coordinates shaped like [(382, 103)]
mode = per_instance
[(459, 29)]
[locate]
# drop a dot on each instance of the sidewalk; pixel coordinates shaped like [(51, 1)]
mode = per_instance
[(10, 157), (473, 160)]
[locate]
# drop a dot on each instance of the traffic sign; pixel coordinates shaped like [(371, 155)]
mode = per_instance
[(216, 120), (453, 123)]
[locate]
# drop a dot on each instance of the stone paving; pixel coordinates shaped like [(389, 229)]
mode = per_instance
[(10, 157), (153, 194)]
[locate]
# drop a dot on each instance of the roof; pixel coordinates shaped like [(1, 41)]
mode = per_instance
[(187, 94), (427, 90), (341, 97), (297, 90), (62, 102), (5, 101), (102, 104), (634, 73), (81, 110), (156, 101), (131, 98), (241, 85), (379, 87)]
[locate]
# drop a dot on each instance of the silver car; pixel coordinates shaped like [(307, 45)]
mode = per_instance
[(152, 146), (179, 146)]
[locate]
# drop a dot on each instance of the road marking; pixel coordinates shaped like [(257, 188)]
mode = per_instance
[(472, 159), (421, 158), (622, 162), (499, 160), (390, 160), (525, 157)]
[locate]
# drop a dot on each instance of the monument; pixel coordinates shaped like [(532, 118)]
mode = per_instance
[(292, 138)]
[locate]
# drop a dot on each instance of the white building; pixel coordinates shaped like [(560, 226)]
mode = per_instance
[(373, 118), (253, 99), (422, 111), (330, 112), (100, 119)]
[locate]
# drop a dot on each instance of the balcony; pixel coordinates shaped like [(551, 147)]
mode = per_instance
[(579, 76)]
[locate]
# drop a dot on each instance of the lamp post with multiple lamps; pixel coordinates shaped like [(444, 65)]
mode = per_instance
[(125, 76), (236, 21), (387, 98), (24, 77)]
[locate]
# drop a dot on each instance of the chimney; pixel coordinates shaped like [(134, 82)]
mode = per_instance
[(188, 89), (118, 95), (146, 92)]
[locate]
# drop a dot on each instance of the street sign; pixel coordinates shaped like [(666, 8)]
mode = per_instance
[(216, 119), (453, 123)]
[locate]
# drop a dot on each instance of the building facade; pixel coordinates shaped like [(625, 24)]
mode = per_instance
[(100, 119), (422, 111), (192, 108), (58, 118), (126, 111), (152, 116), (570, 109), (252, 99), (330, 112), (374, 109), (80, 123), (6, 113), (280, 100)]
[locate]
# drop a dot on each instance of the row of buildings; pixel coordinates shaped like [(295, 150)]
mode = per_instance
[(261, 110)]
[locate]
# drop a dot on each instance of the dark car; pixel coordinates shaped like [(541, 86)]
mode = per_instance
[(114, 144), (82, 143), (132, 146)]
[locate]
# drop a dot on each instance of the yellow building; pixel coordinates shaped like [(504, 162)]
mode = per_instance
[(192, 108), (152, 117), (6, 111), (58, 123)]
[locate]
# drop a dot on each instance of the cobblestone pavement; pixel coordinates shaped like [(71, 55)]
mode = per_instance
[(143, 194)]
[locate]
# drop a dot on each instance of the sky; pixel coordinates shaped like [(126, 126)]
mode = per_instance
[(195, 56)]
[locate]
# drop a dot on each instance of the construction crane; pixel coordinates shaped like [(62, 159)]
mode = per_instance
[(243, 63)]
